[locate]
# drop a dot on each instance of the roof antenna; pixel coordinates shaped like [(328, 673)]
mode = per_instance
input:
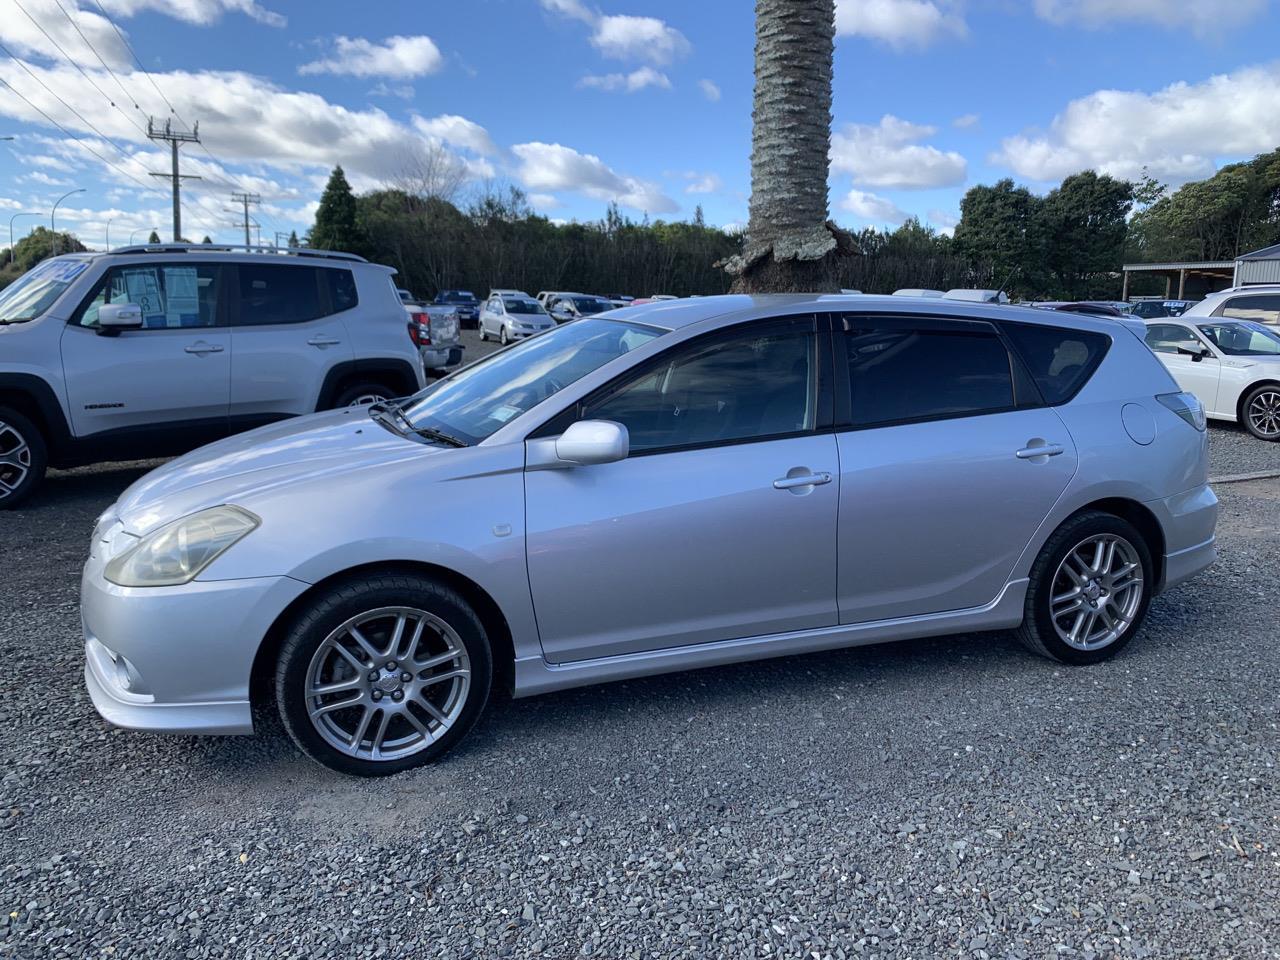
[(1012, 273)]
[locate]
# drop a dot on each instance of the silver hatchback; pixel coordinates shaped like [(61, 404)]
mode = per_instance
[(675, 485)]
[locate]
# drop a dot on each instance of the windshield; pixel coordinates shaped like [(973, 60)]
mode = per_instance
[(36, 290), (1243, 338), (524, 306), (589, 305), (476, 401), (458, 296)]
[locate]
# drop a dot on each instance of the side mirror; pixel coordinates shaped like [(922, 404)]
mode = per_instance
[(589, 442), (114, 317)]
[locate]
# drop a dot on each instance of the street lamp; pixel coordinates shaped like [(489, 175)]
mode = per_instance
[(108, 243), (52, 229), (134, 233), (11, 219)]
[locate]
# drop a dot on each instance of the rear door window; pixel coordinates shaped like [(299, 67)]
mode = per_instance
[(278, 293), (342, 290), (1263, 308), (1061, 360), (903, 375)]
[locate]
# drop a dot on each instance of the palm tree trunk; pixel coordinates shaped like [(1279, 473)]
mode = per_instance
[(790, 244)]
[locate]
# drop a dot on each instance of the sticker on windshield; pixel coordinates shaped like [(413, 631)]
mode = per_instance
[(64, 270), (506, 412)]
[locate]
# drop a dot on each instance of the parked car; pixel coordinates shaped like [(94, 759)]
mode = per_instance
[(1152, 309), (506, 292), (465, 302), (577, 305), (547, 297), (619, 299), (618, 498), (919, 292), (976, 296), (1259, 303), (1097, 308), (407, 298), (150, 351), (1233, 366), (434, 330), (508, 318)]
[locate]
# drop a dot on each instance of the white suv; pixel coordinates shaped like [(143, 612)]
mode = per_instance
[(151, 351)]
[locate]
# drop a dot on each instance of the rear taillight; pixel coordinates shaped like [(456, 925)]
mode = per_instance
[(420, 329), (1185, 405)]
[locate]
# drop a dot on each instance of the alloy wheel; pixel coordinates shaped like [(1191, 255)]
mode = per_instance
[(1264, 413), (15, 459), (367, 398), (1097, 592), (387, 683)]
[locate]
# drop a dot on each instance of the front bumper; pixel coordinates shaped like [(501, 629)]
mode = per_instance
[(177, 659), (433, 358)]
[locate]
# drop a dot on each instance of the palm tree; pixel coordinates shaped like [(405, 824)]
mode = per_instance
[(791, 245)]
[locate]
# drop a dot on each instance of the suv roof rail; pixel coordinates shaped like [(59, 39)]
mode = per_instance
[(237, 248)]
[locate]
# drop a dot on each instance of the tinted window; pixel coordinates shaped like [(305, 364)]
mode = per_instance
[(1060, 359), (524, 306), (1168, 337), (342, 290), (1263, 309), (275, 293), (750, 386), (170, 295), (898, 375)]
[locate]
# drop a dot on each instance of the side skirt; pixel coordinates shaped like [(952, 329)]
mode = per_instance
[(534, 675)]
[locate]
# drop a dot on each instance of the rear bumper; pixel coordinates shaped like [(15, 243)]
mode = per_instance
[(433, 358), (1189, 521)]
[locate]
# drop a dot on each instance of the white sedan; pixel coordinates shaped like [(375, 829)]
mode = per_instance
[(508, 318), (1232, 366)]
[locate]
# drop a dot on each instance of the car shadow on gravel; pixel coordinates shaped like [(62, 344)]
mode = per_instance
[(79, 487)]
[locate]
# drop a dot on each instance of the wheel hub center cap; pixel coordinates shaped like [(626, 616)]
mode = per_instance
[(388, 682)]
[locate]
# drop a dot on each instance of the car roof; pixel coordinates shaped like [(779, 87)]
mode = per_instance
[(731, 308)]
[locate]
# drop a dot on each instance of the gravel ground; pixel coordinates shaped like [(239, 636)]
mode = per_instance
[(943, 798)]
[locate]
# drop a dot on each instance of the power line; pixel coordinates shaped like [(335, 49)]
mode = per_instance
[(245, 199), (106, 66), (128, 46)]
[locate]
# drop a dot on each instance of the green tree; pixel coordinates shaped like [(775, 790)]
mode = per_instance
[(1084, 227), (39, 245), (207, 239), (154, 238), (1000, 233), (293, 238), (336, 226)]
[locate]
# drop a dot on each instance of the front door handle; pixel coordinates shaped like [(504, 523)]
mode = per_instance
[(323, 341), (201, 348), (804, 480), (1043, 450)]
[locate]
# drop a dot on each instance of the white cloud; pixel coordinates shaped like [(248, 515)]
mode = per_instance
[(709, 90), (394, 57), (200, 12), (1177, 132), (638, 38), (702, 182), (383, 89), (574, 9), (37, 176), (899, 23), (870, 206), (944, 221), (458, 132), (546, 167), (630, 82), (543, 201), (966, 121), (888, 155), (1201, 16), (25, 39)]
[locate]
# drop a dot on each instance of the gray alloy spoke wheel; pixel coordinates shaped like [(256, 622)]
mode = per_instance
[(1264, 413), (1097, 592), (15, 459), (502, 336), (365, 399), (387, 683)]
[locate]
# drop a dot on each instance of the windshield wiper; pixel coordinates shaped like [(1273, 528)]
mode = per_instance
[(430, 433), (427, 433)]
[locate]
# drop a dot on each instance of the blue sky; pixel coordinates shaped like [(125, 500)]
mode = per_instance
[(579, 102)]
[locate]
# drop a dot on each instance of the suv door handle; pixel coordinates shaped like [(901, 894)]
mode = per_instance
[(323, 341), (805, 480), (201, 348), (1044, 450)]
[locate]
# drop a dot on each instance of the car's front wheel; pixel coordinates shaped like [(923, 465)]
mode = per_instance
[(23, 457), (1262, 412), (1089, 590), (383, 673), (502, 335)]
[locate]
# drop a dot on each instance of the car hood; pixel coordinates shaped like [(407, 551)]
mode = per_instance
[(322, 446)]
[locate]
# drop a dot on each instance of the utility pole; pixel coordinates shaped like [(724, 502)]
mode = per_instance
[(244, 199), (174, 137), (279, 234)]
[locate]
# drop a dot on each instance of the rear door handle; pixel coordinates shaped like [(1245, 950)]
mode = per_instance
[(1046, 450), (322, 341), (202, 348), (806, 480)]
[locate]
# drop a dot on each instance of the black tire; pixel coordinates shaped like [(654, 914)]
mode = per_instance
[(1038, 632), (502, 335), (1268, 427), (484, 336), (366, 391), (346, 601), (24, 457)]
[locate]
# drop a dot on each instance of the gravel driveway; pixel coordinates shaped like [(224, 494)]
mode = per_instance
[(943, 798)]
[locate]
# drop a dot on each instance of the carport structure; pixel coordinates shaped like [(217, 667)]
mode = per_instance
[(1194, 279)]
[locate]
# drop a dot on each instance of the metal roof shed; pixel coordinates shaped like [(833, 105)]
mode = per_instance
[(1261, 266)]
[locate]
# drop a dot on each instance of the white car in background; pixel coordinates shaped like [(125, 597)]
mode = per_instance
[(1260, 303), (1232, 366), (509, 318)]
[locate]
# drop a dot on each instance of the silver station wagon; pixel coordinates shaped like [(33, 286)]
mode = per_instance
[(675, 485)]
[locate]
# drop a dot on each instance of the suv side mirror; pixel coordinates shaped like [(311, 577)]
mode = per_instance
[(114, 317), (589, 442)]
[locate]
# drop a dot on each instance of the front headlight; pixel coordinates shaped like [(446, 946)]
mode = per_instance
[(178, 551)]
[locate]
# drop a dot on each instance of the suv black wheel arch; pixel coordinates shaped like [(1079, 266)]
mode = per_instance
[(397, 375)]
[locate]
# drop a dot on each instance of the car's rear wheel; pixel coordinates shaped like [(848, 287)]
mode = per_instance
[(23, 457), (363, 394), (383, 673), (1089, 590), (1262, 412)]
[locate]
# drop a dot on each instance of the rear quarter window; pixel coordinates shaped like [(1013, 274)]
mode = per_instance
[(1061, 360)]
